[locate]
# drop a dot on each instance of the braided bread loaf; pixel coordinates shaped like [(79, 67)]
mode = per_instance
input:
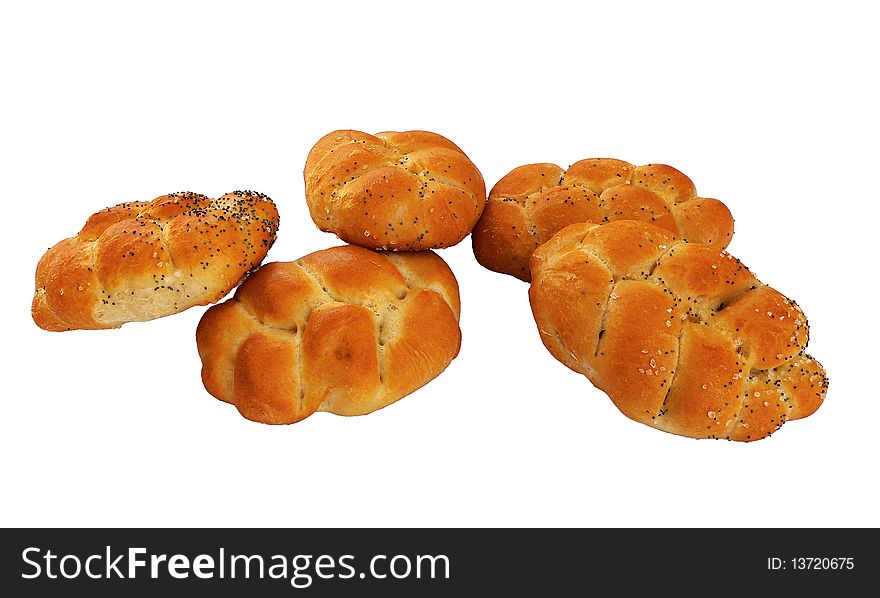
[(680, 335), (396, 191), (143, 260), (531, 203), (345, 330)]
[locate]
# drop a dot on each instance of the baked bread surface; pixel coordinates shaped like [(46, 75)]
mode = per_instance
[(405, 191), (345, 330), (139, 261), (531, 203), (681, 336)]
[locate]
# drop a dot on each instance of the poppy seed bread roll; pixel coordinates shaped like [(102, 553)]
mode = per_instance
[(681, 336), (139, 261), (345, 330), (531, 203), (393, 191)]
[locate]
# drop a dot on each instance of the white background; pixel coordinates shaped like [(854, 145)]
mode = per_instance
[(771, 107)]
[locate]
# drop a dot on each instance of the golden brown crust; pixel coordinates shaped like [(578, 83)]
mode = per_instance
[(407, 191), (680, 335), (533, 202), (345, 330), (144, 260)]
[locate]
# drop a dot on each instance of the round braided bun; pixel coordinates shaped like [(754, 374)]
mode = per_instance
[(531, 203), (345, 330), (680, 335), (395, 191), (139, 261)]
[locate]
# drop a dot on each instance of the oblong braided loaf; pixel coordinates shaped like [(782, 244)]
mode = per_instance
[(138, 261), (531, 203), (397, 191), (345, 330), (680, 335)]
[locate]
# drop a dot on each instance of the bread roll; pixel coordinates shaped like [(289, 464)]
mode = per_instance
[(394, 191), (681, 336), (531, 203), (143, 260), (345, 330)]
